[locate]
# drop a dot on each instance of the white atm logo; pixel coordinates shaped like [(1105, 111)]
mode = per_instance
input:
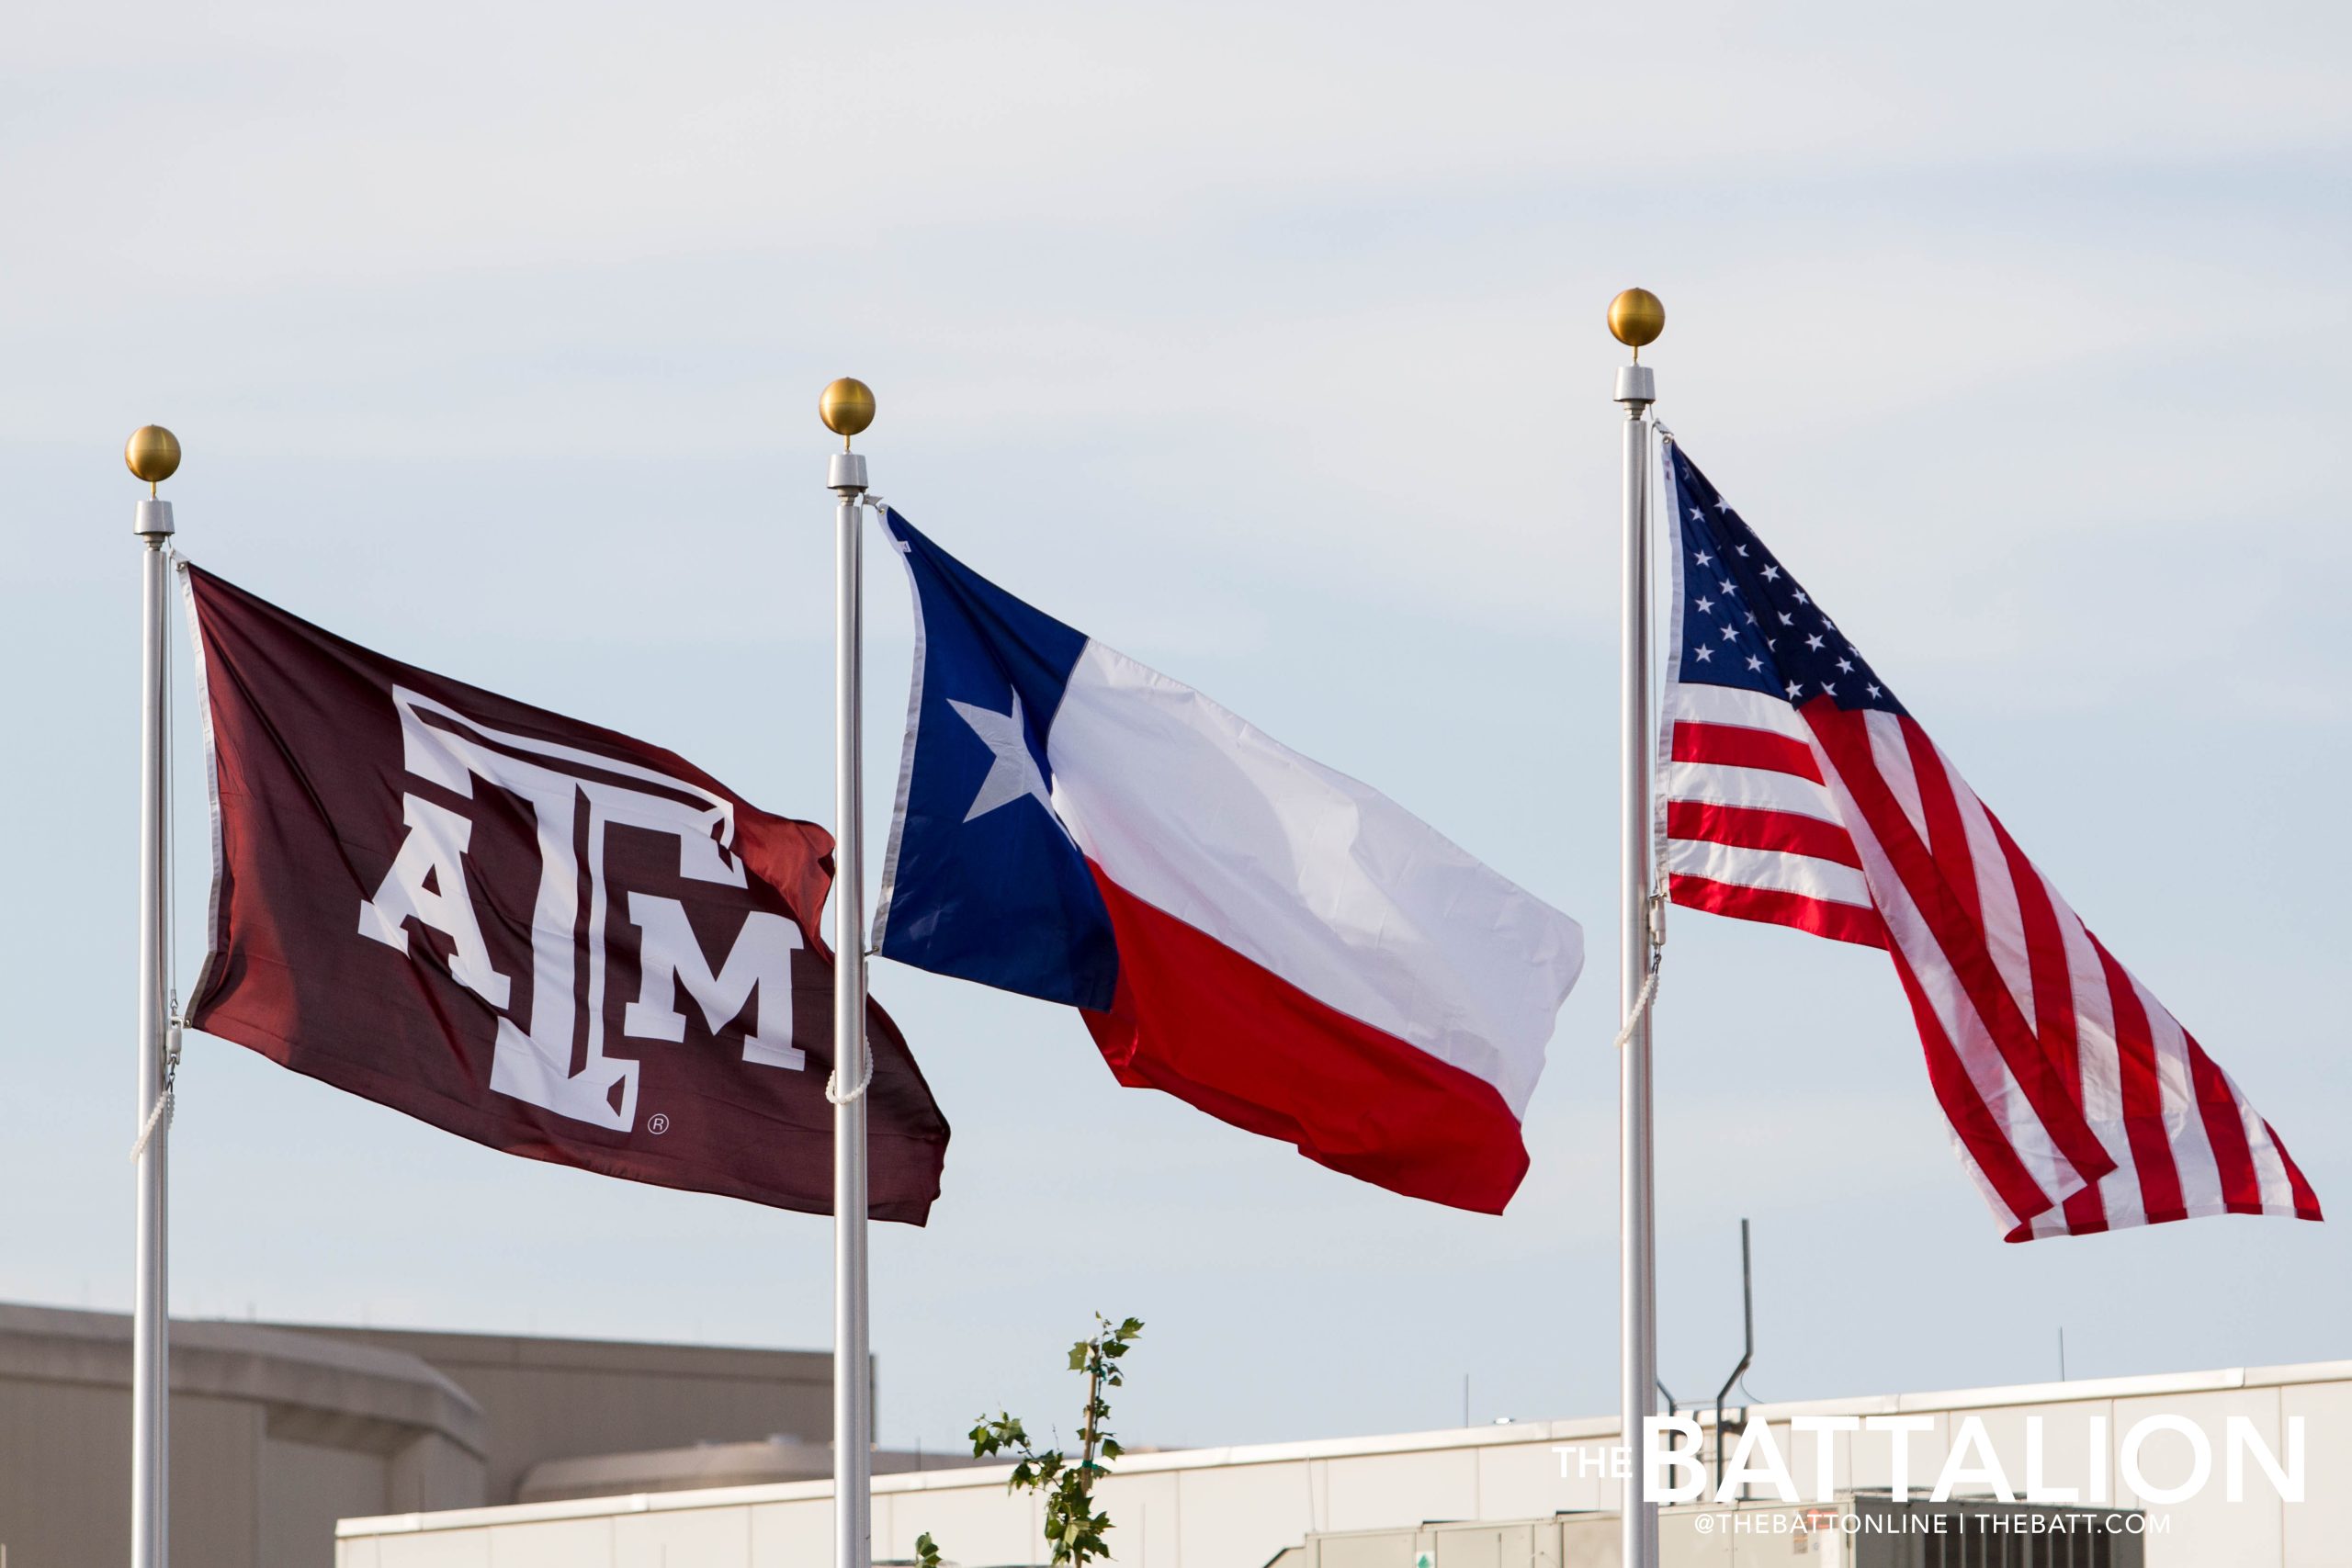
[(427, 884)]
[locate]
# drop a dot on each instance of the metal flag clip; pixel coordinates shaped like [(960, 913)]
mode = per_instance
[(160, 1117)]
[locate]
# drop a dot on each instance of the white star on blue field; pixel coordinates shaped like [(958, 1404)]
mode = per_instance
[(1014, 773)]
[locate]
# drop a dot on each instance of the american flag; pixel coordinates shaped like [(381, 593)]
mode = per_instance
[(1799, 790)]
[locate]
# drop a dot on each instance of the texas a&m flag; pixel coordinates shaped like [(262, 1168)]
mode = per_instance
[(1801, 791), (525, 930)]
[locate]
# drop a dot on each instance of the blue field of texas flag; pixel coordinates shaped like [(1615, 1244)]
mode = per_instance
[(1265, 939)]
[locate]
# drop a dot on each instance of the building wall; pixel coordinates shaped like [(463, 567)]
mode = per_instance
[(1241, 1508), (273, 1436), (294, 1485), (278, 1431), (66, 1479), (548, 1399)]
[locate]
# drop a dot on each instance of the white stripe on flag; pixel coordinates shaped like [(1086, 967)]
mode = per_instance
[(2278, 1194), (2192, 1147), (1775, 869), (1894, 759), (1748, 710), (1756, 789), (2099, 1065), (1997, 894)]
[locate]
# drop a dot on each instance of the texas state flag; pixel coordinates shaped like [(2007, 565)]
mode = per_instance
[(1265, 939)]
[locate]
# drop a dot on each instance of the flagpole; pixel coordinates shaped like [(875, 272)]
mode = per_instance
[(847, 408), (1635, 318), (152, 455)]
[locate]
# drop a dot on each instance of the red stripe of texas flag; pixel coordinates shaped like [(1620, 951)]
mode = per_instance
[(1225, 1036)]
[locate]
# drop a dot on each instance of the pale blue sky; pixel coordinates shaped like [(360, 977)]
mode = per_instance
[(1265, 343)]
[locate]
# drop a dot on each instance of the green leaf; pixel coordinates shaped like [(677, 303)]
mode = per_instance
[(1077, 1354)]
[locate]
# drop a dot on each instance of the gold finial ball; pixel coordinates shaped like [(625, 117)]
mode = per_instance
[(846, 407), (153, 453), (1635, 318)]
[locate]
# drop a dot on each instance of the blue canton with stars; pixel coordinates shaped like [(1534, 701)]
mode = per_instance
[(982, 880), (1744, 621)]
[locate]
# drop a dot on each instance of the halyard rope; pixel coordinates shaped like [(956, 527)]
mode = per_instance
[(162, 1115), (834, 1079), (1641, 1006)]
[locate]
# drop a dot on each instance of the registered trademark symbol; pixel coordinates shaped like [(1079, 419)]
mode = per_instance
[(658, 1124)]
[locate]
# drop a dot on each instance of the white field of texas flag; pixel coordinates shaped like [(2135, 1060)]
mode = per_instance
[(1268, 940)]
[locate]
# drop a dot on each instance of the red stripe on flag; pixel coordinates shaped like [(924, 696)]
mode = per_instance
[(2085, 1213), (2055, 1018), (1947, 836), (1751, 827), (1845, 740), (2143, 1099), (2217, 1105), (1981, 1133), (2306, 1200), (1224, 1034), (2054, 1015), (1736, 746), (1822, 917)]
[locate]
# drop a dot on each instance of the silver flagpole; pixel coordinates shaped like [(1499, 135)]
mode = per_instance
[(153, 454), (1635, 317), (847, 408)]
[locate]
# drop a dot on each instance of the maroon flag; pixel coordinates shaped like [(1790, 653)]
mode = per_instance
[(525, 930)]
